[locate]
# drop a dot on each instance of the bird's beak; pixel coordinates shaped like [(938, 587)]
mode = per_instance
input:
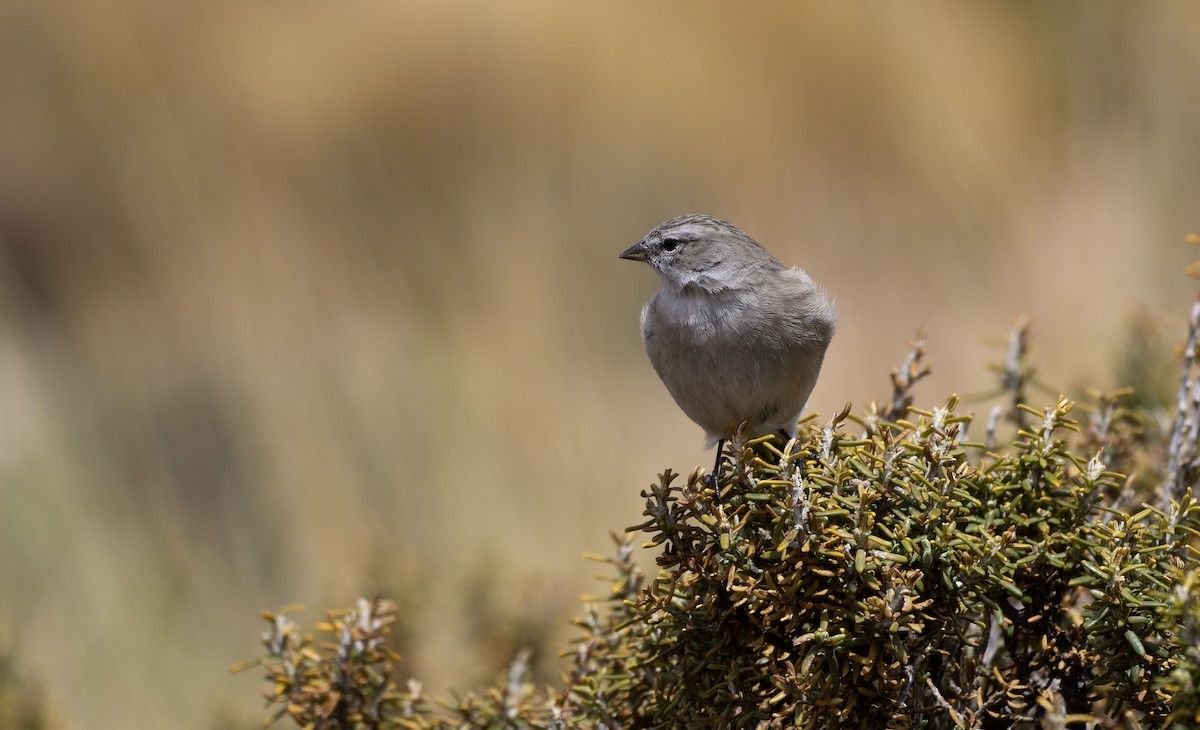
[(636, 252)]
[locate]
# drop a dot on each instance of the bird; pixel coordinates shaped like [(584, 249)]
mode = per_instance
[(733, 334)]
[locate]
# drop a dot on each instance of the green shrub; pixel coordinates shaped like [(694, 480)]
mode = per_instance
[(883, 570)]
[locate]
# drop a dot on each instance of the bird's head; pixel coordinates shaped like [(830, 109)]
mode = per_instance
[(700, 251)]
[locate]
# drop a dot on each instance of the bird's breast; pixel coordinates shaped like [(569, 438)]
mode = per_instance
[(697, 318)]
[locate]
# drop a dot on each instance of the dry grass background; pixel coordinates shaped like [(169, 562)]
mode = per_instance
[(305, 300)]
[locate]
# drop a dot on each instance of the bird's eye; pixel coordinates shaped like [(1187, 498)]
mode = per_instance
[(671, 244)]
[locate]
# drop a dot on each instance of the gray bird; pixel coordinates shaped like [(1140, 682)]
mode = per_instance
[(733, 334)]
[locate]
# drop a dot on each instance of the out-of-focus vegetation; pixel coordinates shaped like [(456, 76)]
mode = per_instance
[(300, 302), (22, 706)]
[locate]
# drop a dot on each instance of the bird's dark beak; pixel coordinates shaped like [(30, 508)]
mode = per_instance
[(636, 252)]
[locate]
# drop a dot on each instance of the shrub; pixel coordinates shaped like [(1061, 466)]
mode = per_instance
[(881, 570)]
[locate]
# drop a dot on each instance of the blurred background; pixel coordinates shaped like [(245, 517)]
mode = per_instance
[(301, 301)]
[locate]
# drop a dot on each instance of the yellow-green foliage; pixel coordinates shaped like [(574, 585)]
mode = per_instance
[(882, 570), (21, 705)]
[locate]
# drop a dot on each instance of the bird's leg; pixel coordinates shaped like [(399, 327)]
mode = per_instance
[(713, 478)]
